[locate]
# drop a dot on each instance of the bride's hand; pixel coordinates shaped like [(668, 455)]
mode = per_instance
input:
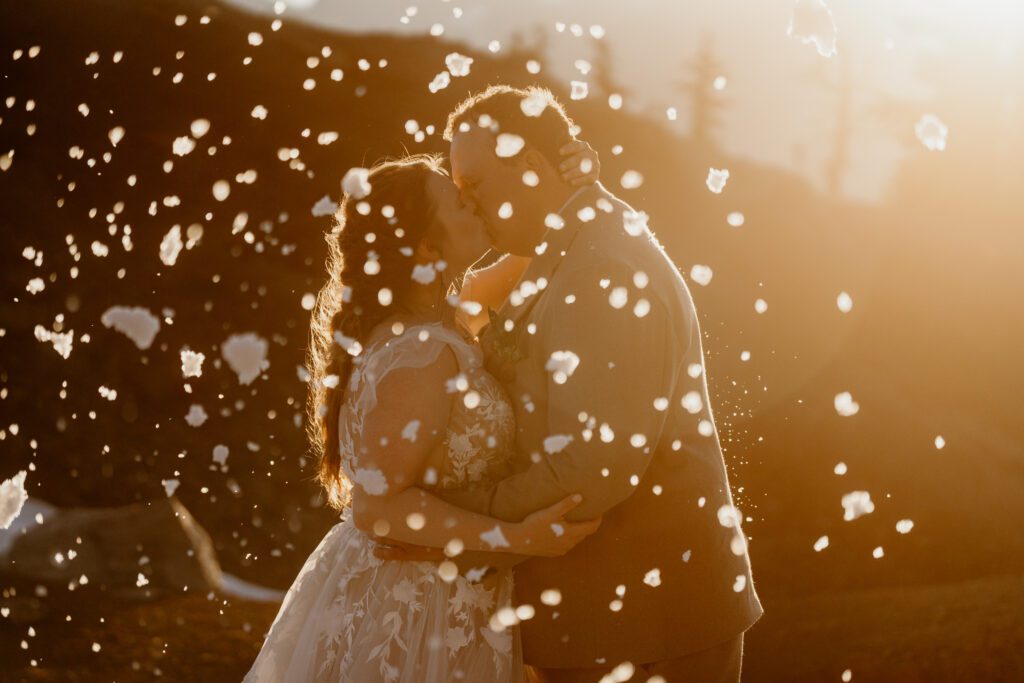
[(546, 533), (580, 165)]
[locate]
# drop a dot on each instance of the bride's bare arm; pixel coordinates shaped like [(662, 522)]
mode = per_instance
[(490, 286), (391, 459)]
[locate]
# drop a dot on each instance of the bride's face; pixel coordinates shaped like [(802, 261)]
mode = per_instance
[(464, 238)]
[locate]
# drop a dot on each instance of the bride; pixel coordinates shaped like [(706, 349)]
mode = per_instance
[(401, 407)]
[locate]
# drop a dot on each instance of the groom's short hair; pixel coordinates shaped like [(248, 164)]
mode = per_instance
[(547, 133)]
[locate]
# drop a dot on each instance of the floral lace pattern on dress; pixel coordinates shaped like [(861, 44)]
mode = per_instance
[(350, 616)]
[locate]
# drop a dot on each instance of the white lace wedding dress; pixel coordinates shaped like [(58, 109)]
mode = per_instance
[(350, 617)]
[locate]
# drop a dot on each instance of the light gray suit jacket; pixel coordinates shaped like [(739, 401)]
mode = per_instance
[(667, 573)]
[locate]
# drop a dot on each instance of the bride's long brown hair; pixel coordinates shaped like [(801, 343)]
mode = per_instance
[(389, 222)]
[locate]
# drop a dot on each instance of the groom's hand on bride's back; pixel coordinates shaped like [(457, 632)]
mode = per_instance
[(544, 533), (580, 164), (547, 533)]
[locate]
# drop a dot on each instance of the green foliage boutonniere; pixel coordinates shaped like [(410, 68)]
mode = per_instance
[(501, 348)]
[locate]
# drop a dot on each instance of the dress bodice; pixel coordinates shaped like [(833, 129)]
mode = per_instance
[(351, 616), (480, 431)]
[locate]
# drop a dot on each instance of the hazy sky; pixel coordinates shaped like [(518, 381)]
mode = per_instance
[(781, 110)]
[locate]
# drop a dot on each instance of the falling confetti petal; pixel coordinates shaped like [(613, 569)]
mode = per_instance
[(716, 180), (556, 443), (618, 298), (904, 526), (551, 597), (561, 365), (634, 222), (554, 221), (701, 275), (534, 104), (325, 206), (811, 21), (440, 82), (221, 190), (356, 183), (857, 504), (458, 65), (246, 354), (135, 322), (350, 344), (509, 145), (845, 405), (183, 146), (220, 454), (199, 128), (372, 481), (495, 538), (729, 517), (170, 246), (196, 415), (410, 430), (931, 132), (653, 578), (62, 341), (693, 402), (631, 180), (192, 363), (424, 274), (12, 498), (115, 135)]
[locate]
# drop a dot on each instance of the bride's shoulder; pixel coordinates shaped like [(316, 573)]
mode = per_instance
[(414, 346)]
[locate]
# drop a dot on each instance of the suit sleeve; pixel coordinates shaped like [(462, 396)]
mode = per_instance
[(602, 423)]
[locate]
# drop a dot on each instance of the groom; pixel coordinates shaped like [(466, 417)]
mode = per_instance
[(600, 350)]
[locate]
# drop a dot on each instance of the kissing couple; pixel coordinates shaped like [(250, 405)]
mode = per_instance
[(524, 455)]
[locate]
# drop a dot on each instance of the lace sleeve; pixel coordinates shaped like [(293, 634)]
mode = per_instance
[(416, 347)]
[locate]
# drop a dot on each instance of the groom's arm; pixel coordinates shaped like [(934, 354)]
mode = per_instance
[(625, 363)]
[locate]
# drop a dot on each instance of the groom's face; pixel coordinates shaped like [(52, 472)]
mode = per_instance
[(488, 183)]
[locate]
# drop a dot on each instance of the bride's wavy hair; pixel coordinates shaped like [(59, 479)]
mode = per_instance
[(384, 227)]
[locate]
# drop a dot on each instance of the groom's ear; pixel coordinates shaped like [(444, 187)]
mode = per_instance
[(536, 162)]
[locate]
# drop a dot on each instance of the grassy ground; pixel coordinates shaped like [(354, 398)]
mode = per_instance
[(969, 631)]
